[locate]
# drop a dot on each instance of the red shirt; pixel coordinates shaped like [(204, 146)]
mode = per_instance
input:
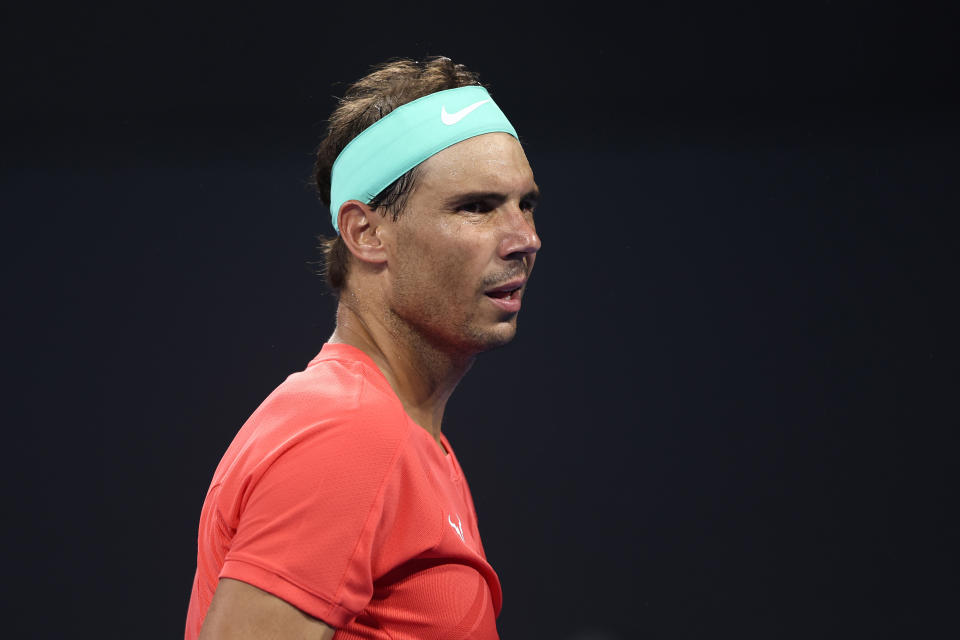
[(331, 498)]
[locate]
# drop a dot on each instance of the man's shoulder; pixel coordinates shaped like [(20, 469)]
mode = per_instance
[(333, 423), (335, 383), (335, 390), (339, 410)]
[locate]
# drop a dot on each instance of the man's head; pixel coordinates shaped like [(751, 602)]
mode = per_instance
[(388, 86), (445, 250)]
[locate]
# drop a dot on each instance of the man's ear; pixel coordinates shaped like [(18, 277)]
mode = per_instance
[(360, 228)]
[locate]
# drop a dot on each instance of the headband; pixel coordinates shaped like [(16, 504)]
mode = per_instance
[(407, 136)]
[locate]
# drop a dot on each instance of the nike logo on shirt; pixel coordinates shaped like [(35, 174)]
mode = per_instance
[(457, 527), (457, 116)]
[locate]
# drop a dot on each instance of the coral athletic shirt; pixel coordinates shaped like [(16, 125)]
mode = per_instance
[(331, 498)]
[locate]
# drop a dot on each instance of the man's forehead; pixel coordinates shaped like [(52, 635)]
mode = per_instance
[(488, 161)]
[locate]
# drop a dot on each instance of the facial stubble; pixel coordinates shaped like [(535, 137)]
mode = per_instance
[(434, 303)]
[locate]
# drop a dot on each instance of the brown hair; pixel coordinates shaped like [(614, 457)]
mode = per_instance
[(387, 86)]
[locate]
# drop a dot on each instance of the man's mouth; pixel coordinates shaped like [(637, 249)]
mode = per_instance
[(507, 290), (504, 294), (507, 295)]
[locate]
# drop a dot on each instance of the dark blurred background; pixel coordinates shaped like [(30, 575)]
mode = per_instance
[(731, 410)]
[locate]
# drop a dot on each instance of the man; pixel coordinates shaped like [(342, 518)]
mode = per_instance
[(340, 509)]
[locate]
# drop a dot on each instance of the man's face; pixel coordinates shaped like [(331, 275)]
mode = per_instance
[(465, 245)]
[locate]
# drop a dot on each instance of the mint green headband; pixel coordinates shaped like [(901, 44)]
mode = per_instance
[(407, 136)]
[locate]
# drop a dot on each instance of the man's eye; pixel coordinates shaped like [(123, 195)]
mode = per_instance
[(475, 207)]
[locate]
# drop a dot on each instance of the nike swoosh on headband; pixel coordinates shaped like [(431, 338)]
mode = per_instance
[(457, 116)]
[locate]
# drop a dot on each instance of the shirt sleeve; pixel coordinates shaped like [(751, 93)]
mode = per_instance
[(307, 518)]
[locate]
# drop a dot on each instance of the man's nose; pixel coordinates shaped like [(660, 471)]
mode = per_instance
[(520, 237)]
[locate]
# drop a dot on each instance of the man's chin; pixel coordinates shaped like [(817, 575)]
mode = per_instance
[(471, 340), (498, 336)]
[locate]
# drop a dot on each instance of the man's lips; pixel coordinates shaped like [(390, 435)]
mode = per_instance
[(507, 288), (507, 296)]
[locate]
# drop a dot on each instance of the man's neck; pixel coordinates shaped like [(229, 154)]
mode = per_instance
[(422, 376)]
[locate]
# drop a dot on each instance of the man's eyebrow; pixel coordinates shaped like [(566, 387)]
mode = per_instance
[(533, 195), (494, 196)]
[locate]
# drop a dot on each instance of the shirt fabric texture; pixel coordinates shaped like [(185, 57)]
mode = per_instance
[(331, 498)]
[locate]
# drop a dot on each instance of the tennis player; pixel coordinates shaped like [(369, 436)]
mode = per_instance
[(340, 509)]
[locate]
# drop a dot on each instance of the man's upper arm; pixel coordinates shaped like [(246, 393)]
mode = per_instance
[(240, 611)]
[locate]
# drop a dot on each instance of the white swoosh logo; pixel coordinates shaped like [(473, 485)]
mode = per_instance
[(457, 116), (458, 529)]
